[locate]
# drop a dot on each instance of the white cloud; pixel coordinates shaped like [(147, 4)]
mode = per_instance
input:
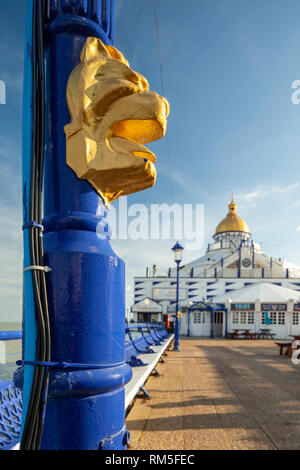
[(265, 190)]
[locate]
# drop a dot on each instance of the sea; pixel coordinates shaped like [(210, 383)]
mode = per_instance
[(12, 352)]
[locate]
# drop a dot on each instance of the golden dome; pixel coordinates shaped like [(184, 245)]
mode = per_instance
[(232, 222)]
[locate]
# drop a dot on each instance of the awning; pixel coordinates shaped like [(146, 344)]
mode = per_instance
[(205, 306)]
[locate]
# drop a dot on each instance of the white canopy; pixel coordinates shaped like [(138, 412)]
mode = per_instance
[(264, 291)]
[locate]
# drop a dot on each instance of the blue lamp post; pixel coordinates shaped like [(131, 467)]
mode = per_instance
[(189, 319), (177, 250), (188, 328)]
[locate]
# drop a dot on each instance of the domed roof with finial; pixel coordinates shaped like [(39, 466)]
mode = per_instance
[(232, 222)]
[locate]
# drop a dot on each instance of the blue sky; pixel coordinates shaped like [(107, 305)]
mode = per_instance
[(228, 67)]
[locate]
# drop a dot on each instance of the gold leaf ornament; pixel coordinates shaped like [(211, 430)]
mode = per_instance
[(113, 114)]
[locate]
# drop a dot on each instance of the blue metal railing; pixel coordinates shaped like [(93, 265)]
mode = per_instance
[(10, 335)]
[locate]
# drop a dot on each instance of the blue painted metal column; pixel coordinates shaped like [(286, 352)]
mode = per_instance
[(177, 323), (86, 286), (239, 262), (177, 250), (212, 312), (226, 322), (189, 323)]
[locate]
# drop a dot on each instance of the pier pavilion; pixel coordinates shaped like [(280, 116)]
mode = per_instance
[(232, 264)]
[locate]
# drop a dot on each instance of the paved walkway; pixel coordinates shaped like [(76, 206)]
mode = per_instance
[(220, 394)]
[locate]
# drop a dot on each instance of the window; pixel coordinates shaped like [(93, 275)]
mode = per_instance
[(218, 317), (199, 317), (243, 317), (235, 317), (277, 318), (273, 317), (295, 318), (251, 318)]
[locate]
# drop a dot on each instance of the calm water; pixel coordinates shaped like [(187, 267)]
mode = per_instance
[(13, 352)]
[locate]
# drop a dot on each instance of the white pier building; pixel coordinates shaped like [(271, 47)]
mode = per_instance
[(235, 284)]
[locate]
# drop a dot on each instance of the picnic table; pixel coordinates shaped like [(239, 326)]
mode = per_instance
[(242, 332), (248, 334), (287, 345), (296, 337), (252, 335), (239, 332), (266, 333), (245, 333)]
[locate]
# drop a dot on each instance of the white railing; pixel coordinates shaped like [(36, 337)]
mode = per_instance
[(157, 273), (247, 273), (218, 245), (218, 272)]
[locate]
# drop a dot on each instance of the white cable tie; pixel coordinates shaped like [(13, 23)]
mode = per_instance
[(38, 268)]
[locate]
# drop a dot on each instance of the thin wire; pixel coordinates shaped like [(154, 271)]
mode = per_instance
[(163, 94), (158, 47)]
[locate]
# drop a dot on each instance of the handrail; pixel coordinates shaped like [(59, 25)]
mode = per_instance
[(157, 328), (146, 325), (10, 335)]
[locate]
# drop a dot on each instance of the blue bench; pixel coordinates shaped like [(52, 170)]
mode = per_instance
[(145, 347), (139, 340), (135, 346)]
